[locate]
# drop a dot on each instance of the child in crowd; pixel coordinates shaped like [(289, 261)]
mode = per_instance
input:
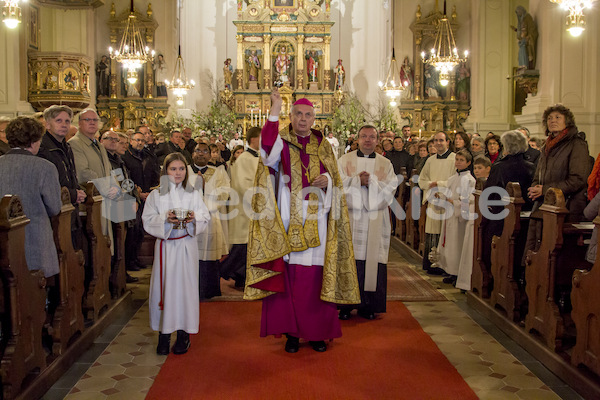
[(482, 167), (456, 241), (174, 293)]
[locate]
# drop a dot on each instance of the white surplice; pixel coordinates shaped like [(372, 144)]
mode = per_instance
[(179, 259), (214, 244), (368, 209), (456, 240), (435, 170)]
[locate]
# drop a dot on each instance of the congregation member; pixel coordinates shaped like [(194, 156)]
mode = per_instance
[(150, 144), (481, 167), (236, 141), (235, 153), (143, 168), (406, 132), (435, 173), (477, 147), (215, 156), (461, 141), (456, 239), (110, 141), (36, 182), (420, 158), (173, 299), (370, 184), (303, 272), (4, 147), (212, 245), (176, 144), (242, 173), (55, 149), (537, 143), (399, 157), (190, 144), (225, 152), (511, 168), (531, 154), (564, 164), (493, 147), (335, 144)]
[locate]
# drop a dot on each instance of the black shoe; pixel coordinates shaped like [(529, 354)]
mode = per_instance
[(131, 279), (451, 279), (164, 343), (139, 264), (435, 271), (366, 315), (132, 268), (292, 345), (319, 346), (183, 342), (345, 315)]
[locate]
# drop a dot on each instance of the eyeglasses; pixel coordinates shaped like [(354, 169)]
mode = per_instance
[(90, 119), (202, 151), (112, 139), (138, 140)]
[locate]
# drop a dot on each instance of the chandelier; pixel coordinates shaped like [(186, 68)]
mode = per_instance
[(393, 85), (11, 13), (444, 55), (179, 84), (575, 21), (132, 52)]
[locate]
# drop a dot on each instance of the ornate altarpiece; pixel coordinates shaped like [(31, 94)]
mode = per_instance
[(136, 103), (431, 107), (291, 41)]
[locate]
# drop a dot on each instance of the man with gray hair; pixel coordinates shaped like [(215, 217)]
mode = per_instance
[(531, 154), (55, 149), (4, 147)]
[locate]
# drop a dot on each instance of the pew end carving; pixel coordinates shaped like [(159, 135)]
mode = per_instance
[(412, 225), (68, 317), (585, 298), (25, 300), (480, 276), (118, 275), (505, 293), (98, 294), (544, 316)]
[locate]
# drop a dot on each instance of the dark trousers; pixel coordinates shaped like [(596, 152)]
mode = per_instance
[(133, 243), (234, 266), (210, 279), (370, 302), (431, 241)]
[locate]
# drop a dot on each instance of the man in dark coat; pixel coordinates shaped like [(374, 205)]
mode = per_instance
[(55, 149), (531, 154), (175, 144)]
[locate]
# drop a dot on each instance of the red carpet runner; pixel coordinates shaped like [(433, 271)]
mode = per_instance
[(389, 358)]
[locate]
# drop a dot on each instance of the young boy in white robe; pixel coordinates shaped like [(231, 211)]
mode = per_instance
[(456, 240), (173, 298)]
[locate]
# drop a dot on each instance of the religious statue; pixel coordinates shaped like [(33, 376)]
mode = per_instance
[(160, 74), (312, 65), (50, 81), (406, 77), (463, 82), (69, 80), (340, 75), (282, 64), (102, 72), (527, 35), (227, 73), (432, 81), (253, 66)]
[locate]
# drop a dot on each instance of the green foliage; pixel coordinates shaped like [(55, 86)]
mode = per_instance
[(176, 122), (349, 117), (384, 118), (217, 120)]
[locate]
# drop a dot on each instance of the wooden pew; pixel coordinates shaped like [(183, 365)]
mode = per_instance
[(401, 197), (480, 277), (68, 317), (506, 293), (118, 275), (561, 252), (421, 226), (98, 295), (585, 298), (25, 301), (412, 230)]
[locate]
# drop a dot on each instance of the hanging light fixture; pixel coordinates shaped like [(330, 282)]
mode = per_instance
[(393, 85), (444, 55), (179, 84), (132, 52), (11, 13), (575, 19)]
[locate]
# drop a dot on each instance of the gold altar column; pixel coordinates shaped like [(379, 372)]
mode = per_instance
[(327, 63), (240, 63), (300, 63), (267, 61)]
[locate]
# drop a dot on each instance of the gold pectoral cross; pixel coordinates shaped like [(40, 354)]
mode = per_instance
[(307, 175)]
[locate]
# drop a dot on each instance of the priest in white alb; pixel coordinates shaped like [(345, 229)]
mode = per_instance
[(370, 185), (214, 183)]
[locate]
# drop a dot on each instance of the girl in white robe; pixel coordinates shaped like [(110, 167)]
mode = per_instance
[(173, 298), (456, 240)]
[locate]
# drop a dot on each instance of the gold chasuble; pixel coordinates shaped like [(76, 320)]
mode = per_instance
[(268, 241)]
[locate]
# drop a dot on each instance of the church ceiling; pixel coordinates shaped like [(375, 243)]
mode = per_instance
[(72, 3)]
